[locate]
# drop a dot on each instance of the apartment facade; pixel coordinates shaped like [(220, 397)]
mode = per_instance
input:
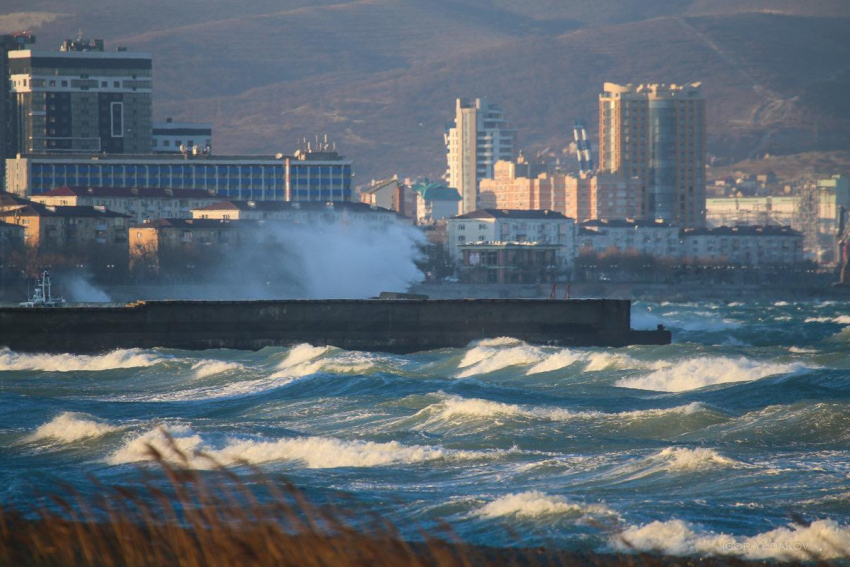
[(656, 133), (140, 204), (479, 137), (298, 213), (49, 228), (653, 238), (517, 226), (747, 245), (81, 98), (582, 197), (302, 177), (171, 137)]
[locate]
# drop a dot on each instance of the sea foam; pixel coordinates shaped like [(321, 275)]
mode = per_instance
[(700, 372), (131, 358), (822, 540), (207, 368), (187, 447), (494, 355), (69, 427), (536, 504)]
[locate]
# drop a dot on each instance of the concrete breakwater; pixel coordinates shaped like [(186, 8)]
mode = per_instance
[(395, 325)]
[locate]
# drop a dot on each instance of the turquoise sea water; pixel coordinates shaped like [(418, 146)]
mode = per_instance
[(735, 439)]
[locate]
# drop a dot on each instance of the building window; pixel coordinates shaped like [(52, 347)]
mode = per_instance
[(117, 114), (116, 84)]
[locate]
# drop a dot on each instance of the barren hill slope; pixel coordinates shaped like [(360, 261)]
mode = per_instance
[(380, 76)]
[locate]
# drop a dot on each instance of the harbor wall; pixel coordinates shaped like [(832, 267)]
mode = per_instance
[(382, 325)]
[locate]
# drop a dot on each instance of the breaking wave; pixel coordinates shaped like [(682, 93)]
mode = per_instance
[(69, 427), (535, 504), (306, 360), (595, 361), (821, 540), (839, 320), (676, 460), (486, 358), (700, 372), (189, 448), (207, 368), (131, 358)]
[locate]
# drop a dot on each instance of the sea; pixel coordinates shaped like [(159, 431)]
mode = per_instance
[(733, 440)]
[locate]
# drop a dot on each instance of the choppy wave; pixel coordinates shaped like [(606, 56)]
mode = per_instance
[(498, 354), (675, 460), (132, 358), (535, 504), (823, 540), (69, 427), (207, 368), (180, 444), (305, 360), (694, 373), (838, 320)]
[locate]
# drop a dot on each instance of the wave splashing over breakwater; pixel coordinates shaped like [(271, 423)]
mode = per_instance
[(681, 449)]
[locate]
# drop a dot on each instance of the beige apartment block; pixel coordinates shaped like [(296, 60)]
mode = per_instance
[(656, 133)]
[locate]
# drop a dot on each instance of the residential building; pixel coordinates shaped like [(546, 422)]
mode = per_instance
[(170, 137), (654, 238), (752, 211), (511, 226), (435, 201), (391, 194), (151, 242), (312, 176), (747, 245), (49, 228), (140, 204), (9, 201), (583, 197), (11, 237), (8, 148), (479, 137), (81, 99), (656, 133), (304, 213), (510, 263)]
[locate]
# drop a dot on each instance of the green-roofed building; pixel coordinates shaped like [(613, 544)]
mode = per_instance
[(435, 201)]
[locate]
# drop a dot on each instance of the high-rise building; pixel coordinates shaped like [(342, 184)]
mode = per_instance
[(479, 137), (169, 137), (10, 42), (80, 99), (657, 134)]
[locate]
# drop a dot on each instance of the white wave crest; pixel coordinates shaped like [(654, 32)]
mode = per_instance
[(700, 372), (839, 320), (132, 358), (534, 504), (487, 359), (455, 407), (70, 427), (207, 368), (594, 361), (801, 350), (698, 459), (822, 540), (306, 360), (310, 452)]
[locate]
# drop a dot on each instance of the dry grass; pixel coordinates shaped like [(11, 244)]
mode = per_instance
[(218, 519)]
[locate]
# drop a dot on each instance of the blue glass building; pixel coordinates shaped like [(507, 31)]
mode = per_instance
[(255, 178)]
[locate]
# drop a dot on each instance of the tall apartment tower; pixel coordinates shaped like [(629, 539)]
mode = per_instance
[(80, 99), (657, 134), (8, 42), (479, 137)]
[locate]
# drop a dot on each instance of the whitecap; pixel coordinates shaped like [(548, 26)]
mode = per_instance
[(132, 358), (695, 373), (535, 504), (69, 427), (309, 452), (821, 540), (838, 320), (207, 368), (487, 359)]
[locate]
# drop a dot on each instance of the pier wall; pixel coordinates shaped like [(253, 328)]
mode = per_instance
[(380, 325)]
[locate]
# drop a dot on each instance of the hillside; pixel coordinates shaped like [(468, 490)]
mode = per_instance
[(380, 76)]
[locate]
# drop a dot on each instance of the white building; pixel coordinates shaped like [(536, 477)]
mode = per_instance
[(654, 238), (478, 138), (170, 137), (435, 201), (750, 245), (514, 226), (299, 213)]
